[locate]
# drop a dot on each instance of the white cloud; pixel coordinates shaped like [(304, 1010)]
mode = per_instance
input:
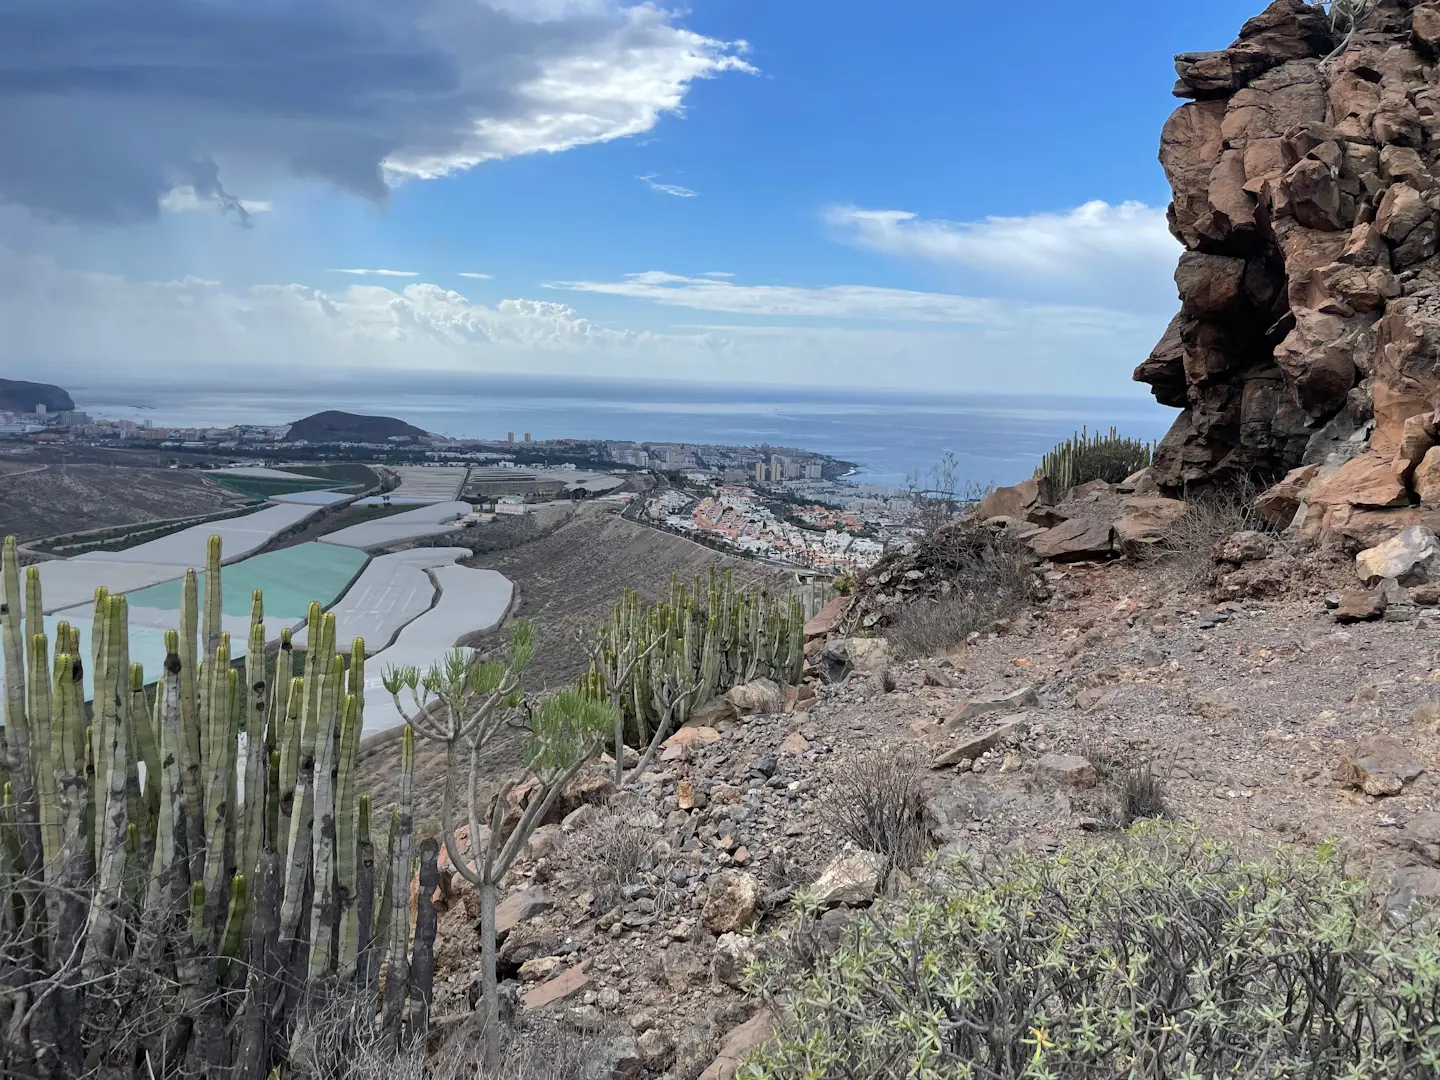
[(844, 302), (1124, 252), (609, 85), (472, 274), (717, 274), (94, 330), (184, 199), (667, 189), (376, 273)]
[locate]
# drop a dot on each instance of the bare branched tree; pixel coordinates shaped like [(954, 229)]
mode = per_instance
[(461, 703)]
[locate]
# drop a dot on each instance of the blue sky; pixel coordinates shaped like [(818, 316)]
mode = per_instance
[(933, 195)]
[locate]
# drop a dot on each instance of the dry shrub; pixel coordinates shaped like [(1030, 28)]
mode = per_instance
[(1187, 550), (615, 852), (538, 1050), (879, 805), (990, 578), (1128, 788)]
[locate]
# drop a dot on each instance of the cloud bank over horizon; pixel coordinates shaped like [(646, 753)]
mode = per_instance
[(195, 332)]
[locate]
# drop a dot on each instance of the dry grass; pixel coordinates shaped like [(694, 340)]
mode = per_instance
[(539, 1050), (991, 579), (1128, 788), (1188, 549), (879, 805)]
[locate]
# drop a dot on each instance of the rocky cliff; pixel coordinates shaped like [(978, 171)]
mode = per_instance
[(1304, 172)]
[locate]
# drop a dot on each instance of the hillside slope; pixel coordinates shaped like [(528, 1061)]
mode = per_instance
[(566, 582), (43, 500), (569, 580)]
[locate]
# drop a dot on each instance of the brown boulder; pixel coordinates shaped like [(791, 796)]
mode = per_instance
[(1417, 436), (1065, 771), (1145, 522), (1427, 479), (1016, 501), (1078, 538), (565, 985), (1277, 505), (1425, 28), (731, 902), (746, 1038), (1365, 480), (1360, 605), (1380, 765), (1243, 547), (827, 619)]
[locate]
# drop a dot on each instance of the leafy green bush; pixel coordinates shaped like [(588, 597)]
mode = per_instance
[(1158, 955), (1085, 457)]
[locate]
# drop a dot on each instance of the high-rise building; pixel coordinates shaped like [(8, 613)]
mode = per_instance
[(814, 470), (527, 436), (759, 472), (510, 437)]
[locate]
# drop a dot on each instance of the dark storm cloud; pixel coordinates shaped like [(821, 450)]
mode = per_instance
[(105, 106)]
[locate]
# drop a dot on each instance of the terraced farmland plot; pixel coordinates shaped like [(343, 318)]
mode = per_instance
[(290, 578)]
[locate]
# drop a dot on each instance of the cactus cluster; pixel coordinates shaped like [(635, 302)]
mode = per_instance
[(188, 875), (659, 662), (1085, 457)]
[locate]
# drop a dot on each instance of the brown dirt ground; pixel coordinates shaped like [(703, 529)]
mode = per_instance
[(38, 500)]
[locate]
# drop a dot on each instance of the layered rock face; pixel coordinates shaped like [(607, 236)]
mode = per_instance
[(1306, 191)]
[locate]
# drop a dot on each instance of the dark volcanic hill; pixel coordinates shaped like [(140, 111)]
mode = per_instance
[(17, 396), (333, 426)]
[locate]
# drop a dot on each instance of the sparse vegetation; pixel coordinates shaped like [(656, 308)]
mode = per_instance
[(984, 575), (1188, 547), (463, 703), (1085, 457), (1156, 955), (1128, 789), (614, 851), (879, 806)]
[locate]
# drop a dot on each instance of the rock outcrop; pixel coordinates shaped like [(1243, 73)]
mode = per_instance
[(1306, 195)]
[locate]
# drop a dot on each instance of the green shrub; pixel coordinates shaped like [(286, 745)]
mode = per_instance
[(1155, 956), (1085, 457)]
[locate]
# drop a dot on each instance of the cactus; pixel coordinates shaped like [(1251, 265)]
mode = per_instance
[(657, 663), (151, 832), (1085, 457)]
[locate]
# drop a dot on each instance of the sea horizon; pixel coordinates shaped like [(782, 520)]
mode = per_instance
[(889, 435)]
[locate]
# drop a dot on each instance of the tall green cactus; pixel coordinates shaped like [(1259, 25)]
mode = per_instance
[(133, 829), (659, 662)]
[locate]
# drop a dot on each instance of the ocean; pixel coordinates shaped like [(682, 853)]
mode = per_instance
[(888, 435)]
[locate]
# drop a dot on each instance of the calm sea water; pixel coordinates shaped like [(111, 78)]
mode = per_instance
[(995, 440)]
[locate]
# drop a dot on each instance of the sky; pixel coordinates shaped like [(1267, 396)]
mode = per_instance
[(932, 196)]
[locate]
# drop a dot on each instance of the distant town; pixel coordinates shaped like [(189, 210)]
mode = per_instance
[(785, 505)]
